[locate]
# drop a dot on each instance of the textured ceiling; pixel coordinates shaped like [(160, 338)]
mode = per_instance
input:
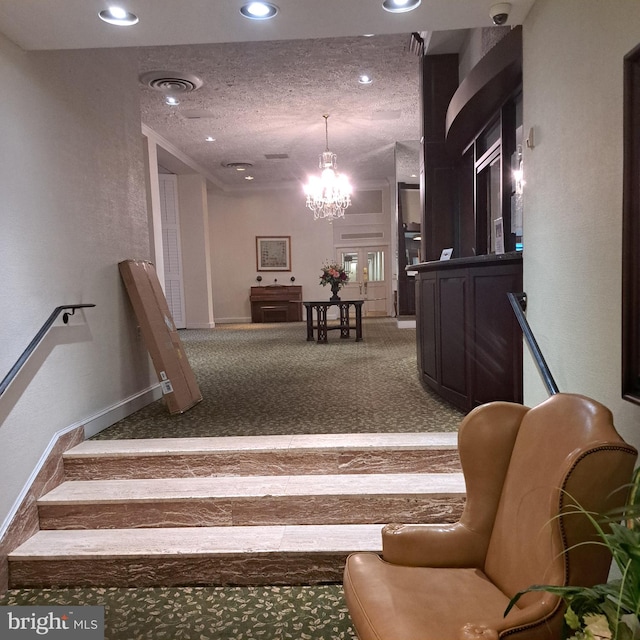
[(266, 85), (268, 98)]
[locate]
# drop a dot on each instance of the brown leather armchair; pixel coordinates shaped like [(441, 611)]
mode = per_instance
[(524, 469)]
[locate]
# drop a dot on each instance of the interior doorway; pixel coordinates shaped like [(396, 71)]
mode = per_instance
[(171, 248), (366, 267)]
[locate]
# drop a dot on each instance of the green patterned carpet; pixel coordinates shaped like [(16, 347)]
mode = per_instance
[(261, 380), (213, 613), (266, 379)]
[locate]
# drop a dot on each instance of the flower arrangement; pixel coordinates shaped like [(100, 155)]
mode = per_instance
[(334, 275), (609, 611)]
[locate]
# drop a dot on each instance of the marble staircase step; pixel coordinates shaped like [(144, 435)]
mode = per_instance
[(273, 555), (253, 500), (221, 511), (269, 455)]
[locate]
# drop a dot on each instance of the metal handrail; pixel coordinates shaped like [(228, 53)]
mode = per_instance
[(36, 340), (519, 302)]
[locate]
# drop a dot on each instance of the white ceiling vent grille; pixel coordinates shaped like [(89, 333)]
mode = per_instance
[(362, 236), (171, 81)]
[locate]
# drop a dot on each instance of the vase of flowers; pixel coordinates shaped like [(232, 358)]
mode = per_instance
[(609, 611), (336, 277)]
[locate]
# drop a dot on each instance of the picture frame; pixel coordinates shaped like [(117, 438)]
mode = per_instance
[(273, 253)]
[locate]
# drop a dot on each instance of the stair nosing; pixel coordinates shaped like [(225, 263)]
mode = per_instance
[(274, 539), (253, 487), (263, 444)]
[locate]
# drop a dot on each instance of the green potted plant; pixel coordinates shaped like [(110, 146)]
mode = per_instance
[(609, 611)]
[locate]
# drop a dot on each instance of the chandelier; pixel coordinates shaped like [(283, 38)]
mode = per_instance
[(330, 194)]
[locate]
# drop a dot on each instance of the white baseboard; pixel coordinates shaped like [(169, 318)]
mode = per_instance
[(206, 325), (406, 324), (92, 425), (120, 410), (234, 320)]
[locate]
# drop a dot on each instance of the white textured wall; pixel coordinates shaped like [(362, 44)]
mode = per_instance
[(235, 221), (72, 206), (573, 88)]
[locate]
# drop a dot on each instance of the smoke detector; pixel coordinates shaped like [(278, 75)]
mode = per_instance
[(171, 81)]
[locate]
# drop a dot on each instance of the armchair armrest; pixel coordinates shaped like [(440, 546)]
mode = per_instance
[(429, 545)]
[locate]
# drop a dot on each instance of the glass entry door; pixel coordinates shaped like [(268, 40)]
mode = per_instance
[(366, 269)]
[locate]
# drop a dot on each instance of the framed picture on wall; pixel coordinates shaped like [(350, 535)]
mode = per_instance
[(273, 253)]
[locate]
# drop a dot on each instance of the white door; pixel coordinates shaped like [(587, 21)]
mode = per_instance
[(367, 281), (173, 289)]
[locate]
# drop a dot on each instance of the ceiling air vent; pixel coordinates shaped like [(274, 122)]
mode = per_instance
[(276, 156), (171, 81)]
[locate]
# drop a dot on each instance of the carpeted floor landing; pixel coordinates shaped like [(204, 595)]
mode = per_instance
[(266, 379)]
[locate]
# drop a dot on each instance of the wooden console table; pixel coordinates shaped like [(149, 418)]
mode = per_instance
[(321, 314), (276, 303)]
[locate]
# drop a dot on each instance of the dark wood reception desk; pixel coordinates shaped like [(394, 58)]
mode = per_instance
[(276, 303), (469, 343)]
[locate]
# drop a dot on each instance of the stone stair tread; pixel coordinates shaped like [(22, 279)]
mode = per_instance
[(163, 489), (97, 544), (198, 446)]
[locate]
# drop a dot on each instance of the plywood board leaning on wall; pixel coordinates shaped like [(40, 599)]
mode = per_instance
[(179, 386)]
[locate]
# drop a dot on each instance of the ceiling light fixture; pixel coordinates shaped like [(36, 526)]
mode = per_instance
[(238, 166), (118, 16), (210, 139), (330, 194), (365, 78), (259, 10), (171, 101), (400, 6)]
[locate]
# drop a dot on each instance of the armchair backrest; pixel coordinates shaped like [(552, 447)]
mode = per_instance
[(566, 452)]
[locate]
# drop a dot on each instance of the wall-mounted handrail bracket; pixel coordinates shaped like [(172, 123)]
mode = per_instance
[(519, 303), (66, 315), (37, 339)]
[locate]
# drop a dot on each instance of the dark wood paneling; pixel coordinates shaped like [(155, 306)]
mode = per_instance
[(470, 343), (496, 340), (428, 327), (485, 88), (439, 81), (453, 369)]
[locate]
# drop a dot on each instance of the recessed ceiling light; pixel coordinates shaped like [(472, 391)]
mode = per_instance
[(210, 139), (248, 177), (259, 10), (365, 78), (171, 101), (400, 6), (118, 16)]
